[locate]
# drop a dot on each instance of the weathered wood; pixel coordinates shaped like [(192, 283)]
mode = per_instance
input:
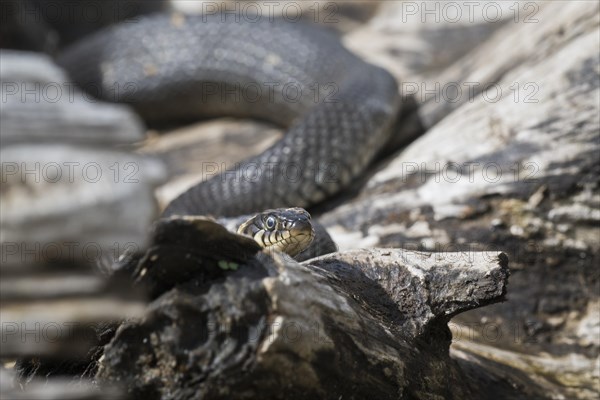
[(200, 151), (416, 41), (32, 85), (61, 327), (541, 31), (105, 195), (515, 171), (356, 324), (59, 389), (69, 198)]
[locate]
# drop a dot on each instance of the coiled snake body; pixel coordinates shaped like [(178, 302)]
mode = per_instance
[(337, 109)]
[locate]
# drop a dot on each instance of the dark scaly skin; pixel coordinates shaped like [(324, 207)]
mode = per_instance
[(168, 68), (312, 239), (284, 229)]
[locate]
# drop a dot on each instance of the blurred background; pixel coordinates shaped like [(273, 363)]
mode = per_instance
[(500, 108)]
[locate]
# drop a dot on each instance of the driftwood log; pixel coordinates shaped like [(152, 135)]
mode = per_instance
[(510, 165), (513, 169), (68, 197), (508, 169), (352, 325)]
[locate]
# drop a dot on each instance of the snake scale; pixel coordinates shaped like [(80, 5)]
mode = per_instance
[(337, 109)]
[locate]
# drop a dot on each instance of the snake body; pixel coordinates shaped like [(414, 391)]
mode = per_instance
[(336, 108)]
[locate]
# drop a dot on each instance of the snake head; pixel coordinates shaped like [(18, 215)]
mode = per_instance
[(288, 230)]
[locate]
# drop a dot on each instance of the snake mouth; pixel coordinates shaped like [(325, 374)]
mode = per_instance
[(301, 227), (294, 244), (298, 235), (301, 234)]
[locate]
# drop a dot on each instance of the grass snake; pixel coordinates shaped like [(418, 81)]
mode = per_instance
[(337, 110)]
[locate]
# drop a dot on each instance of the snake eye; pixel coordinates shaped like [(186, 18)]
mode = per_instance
[(270, 222)]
